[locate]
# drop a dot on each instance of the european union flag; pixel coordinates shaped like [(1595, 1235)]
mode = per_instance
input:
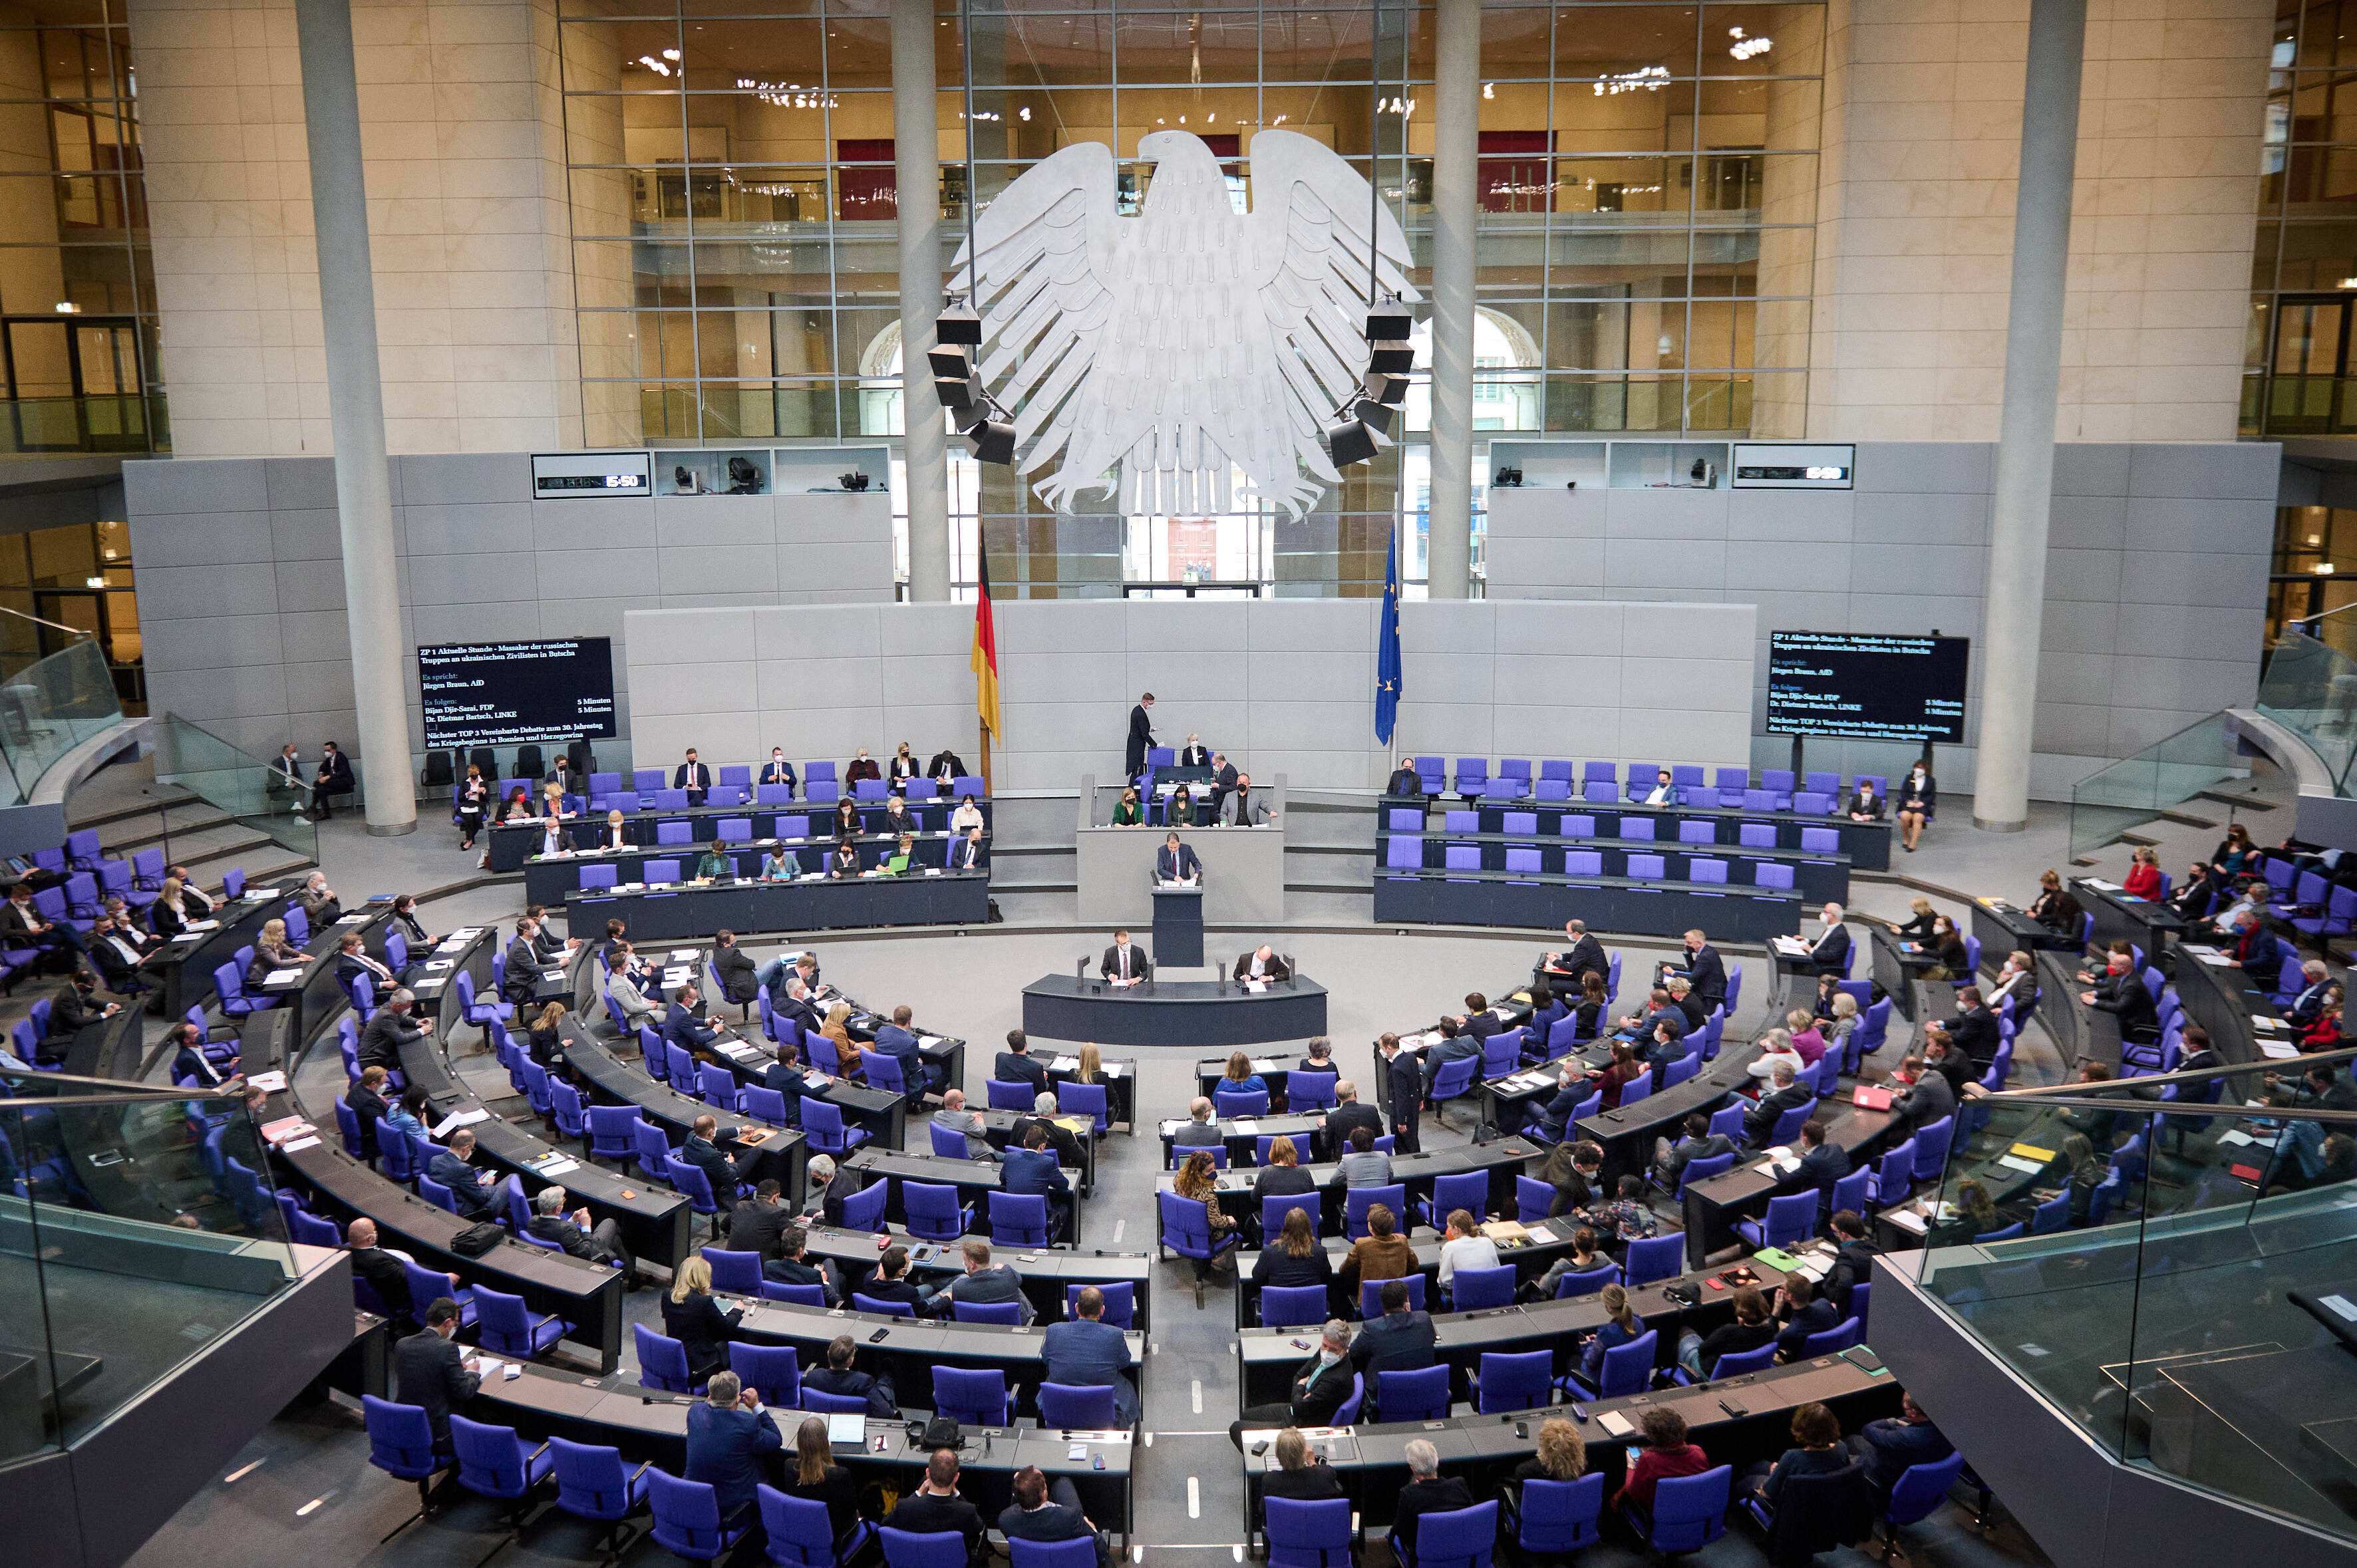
[(1387, 651)]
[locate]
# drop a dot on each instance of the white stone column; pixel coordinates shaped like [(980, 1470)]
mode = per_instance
[(2025, 453), (916, 151), (331, 119), (1456, 172)]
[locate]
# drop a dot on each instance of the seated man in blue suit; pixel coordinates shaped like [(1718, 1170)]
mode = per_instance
[(1050, 1511), (1176, 862), (478, 1193), (1086, 1351), (839, 1378), (785, 1076), (1032, 1169), (898, 1041), (683, 1028)]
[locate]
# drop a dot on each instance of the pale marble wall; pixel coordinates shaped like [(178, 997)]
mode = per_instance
[(464, 148), (1922, 125)]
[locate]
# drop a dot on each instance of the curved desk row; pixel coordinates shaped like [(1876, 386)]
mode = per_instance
[(1172, 1011), (1626, 1133), (1819, 878), (683, 910), (315, 996), (1540, 901), (513, 843), (654, 1220), (552, 879), (975, 1180), (182, 968), (1501, 1161), (776, 1154), (1866, 845), (1269, 1355), (649, 1425), (1713, 1206), (1550, 1239), (1483, 1450), (2151, 926), (1046, 1274), (587, 1296)]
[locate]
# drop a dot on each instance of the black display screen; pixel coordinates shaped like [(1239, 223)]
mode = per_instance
[(508, 693), (1869, 686)]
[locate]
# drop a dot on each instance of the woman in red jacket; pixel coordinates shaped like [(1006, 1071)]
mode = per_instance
[(1666, 1453), (2144, 876)]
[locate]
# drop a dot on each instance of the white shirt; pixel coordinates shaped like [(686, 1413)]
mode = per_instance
[(1122, 958), (1659, 795), (1469, 1252), (1258, 969)]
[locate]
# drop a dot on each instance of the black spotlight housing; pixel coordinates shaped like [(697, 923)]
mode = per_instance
[(1391, 390), (1375, 415), (958, 323), (992, 441), (1390, 319), (953, 361), (1349, 442)]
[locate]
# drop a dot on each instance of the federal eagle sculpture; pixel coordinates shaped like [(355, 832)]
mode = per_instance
[(1153, 352)]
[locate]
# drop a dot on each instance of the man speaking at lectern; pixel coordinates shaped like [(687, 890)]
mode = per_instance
[(1124, 964), (1176, 862)]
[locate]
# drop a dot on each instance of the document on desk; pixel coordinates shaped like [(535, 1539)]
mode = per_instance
[(283, 977), (2278, 1050), (2016, 1162), (1907, 1220), (2100, 885), (1791, 947), (1614, 1424), (271, 1081), (1255, 987), (460, 1118)]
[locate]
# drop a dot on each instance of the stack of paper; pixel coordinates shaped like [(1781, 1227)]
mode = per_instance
[(283, 977), (442, 1129)]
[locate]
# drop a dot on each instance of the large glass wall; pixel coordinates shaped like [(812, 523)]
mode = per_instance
[(77, 289), (1648, 182), (2304, 265)]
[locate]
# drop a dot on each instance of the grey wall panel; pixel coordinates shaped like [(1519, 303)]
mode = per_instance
[(201, 539), (229, 591)]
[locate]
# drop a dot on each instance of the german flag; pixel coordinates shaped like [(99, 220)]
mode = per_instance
[(985, 658)]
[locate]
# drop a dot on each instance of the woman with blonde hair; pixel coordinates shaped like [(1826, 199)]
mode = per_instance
[(1562, 1456), (1091, 1065), (167, 917), (272, 950), (616, 833), (1621, 1326), (817, 1478), (1240, 1079), (690, 1316), (837, 1028)]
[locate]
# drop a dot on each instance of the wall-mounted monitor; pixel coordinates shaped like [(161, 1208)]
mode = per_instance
[(1867, 685), (567, 476), (511, 694), (1783, 465)]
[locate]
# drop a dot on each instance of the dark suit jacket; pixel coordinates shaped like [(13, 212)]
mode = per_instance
[(685, 1030), (1316, 1399), (1395, 1342), (1706, 973), (702, 1329), (429, 1372), (1832, 950), (1011, 1068), (1404, 1095), (1342, 1119), (1049, 1521), (725, 1449), (335, 775), (921, 1513), (466, 1183), (851, 1384), (1276, 966), (384, 1270), (522, 973), (777, 773), (1443, 1494), (715, 1167), (2139, 1019), (1141, 740), (1975, 1032), (368, 1105), (1313, 1483), (1061, 1144), (1820, 1168), (1760, 1120), (691, 775), (1172, 868), (1927, 1103), (1406, 783), (1141, 967), (737, 973), (754, 1228)]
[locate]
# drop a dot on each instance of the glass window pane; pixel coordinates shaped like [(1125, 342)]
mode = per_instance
[(1762, 41), (1514, 43), (1593, 42), (1605, 192), (1650, 117), (784, 57)]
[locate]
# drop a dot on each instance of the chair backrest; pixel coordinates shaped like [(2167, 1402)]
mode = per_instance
[(974, 1396), (1841, 1337), (401, 1438), (1515, 1381), (1560, 1516), (1085, 1407), (1735, 1361), (909, 1549), (1361, 1198), (1461, 1538), (1371, 1294), (1690, 1511), (1421, 1395), (1310, 1534), (1932, 1147), (1629, 1369), (1655, 1258), (1922, 1487)]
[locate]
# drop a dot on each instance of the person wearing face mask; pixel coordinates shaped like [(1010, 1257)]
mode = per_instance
[(946, 766), (861, 767), (1919, 797), (901, 768), (778, 770)]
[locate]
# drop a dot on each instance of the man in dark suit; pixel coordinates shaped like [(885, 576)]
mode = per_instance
[(1760, 1120), (2259, 953), (334, 778), (693, 777), (389, 1029), (598, 1243), (1403, 1094), (792, 1265), (970, 854), (935, 1508), (1261, 963), (1125, 963), (1669, 1161), (1223, 781), (1929, 1097), (2122, 992), (898, 1039), (1973, 1028), (71, 1012), (758, 1221), (1456, 1043), (1830, 952), (1031, 1169), (890, 1281), (1571, 1086), (1015, 1064), (476, 1192), (1892, 1444), (384, 1270), (286, 777), (1427, 1491), (521, 972), (1063, 1142), (734, 967), (982, 1282), (1581, 953), (353, 962), (945, 766), (188, 1059), (839, 1378), (717, 1166), (1823, 1162), (430, 1371), (1348, 1115), (1406, 783), (778, 770), (1141, 738), (1854, 1258), (1705, 972), (683, 1028), (1399, 1341), (784, 1076), (1176, 861), (366, 1097), (1044, 1512), (1085, 1351)]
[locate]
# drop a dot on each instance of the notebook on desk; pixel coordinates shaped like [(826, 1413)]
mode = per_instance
[(1870, 1097)]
